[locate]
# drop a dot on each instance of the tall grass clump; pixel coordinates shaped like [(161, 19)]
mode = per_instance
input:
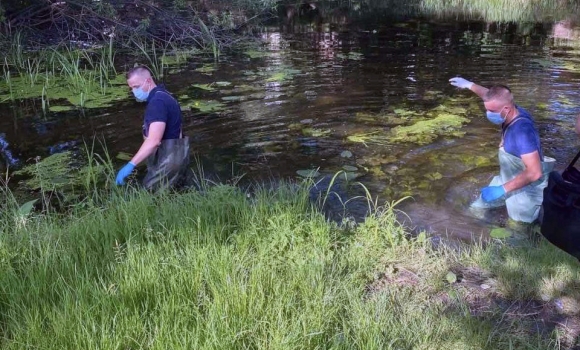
[(231, 269)]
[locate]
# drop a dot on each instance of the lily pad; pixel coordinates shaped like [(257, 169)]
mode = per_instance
[(223, 83), (346, 154), (206, 69), (205, 106), (308, 173), (206, 87), (500, 233)]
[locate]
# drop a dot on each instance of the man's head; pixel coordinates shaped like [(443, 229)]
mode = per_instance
[(140, 77), (141, 83), (499, 99)]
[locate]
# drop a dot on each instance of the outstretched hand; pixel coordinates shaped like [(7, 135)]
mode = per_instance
[(461, 83)]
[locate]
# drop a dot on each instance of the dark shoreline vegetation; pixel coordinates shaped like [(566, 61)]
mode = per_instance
[(85, 264)]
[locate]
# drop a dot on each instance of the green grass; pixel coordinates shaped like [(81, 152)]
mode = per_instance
[(262, 269), (502, 10)]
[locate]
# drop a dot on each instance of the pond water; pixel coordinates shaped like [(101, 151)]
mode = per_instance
[(376, 88)]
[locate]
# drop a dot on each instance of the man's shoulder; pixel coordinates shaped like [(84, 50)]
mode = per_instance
[(524, 113), (160, 93)]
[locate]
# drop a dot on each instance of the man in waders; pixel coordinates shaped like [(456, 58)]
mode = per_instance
[(164, 146), (523, 168)]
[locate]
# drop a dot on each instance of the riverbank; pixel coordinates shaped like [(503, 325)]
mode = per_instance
[(226, 269)]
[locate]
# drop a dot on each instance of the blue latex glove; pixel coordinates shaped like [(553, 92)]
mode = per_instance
[(491, 193), (461, 83), (124, 172)]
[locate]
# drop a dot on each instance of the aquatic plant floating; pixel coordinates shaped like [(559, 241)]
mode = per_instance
[(205, 87), (203, 106)]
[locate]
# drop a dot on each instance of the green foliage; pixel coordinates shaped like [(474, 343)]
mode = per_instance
[(72, 177), (228, 269), (51, 173)]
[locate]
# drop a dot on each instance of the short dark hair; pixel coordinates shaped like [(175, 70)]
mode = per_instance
[(499, 92), (139, 70)]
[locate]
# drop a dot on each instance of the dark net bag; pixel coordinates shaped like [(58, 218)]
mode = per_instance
[(561, 207)]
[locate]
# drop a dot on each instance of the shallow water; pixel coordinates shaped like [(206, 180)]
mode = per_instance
[(294, 106)]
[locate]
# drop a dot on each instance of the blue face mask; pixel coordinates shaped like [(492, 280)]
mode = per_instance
[(494, 117), (140, 95)]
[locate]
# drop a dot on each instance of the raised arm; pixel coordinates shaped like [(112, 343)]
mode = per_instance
[(466, 84)]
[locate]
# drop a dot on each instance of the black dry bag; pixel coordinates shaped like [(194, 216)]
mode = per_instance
[(561, 204)]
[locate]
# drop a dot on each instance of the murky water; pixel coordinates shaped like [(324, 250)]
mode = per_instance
[(315, 91)]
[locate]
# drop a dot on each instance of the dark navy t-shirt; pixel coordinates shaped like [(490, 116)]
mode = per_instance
[(521, 136), (163, 107)]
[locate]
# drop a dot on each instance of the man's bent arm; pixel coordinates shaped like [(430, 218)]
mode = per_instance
[(531, 173), (479, 90), (155, 135)]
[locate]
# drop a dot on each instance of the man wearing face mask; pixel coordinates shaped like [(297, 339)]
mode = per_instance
[(523, 168), (164, 146)]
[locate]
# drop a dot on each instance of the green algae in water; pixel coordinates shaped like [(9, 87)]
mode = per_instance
[(368, 138), (316, 132), (283, 74), (386, 119), (405, 112), (434, 176), (425, 131)]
